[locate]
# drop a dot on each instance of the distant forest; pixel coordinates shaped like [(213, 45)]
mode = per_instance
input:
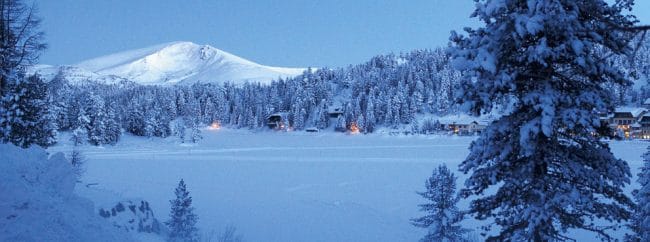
[(387, 91)]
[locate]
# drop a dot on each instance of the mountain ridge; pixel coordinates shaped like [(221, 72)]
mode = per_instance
[(179, 62)]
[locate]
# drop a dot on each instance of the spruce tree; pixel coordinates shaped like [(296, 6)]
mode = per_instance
[(20, 46), (79, 136), (542, 168), (340, 124), (443, 217), (178, 129), (195, 132), (32, 124), (112, 131), (641, 220), (323, 116), (182, 220), (370, 115)]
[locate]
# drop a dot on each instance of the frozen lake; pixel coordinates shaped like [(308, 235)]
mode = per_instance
[(287, 186)]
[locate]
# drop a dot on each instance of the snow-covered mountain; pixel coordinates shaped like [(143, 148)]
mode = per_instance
[(169, 64)]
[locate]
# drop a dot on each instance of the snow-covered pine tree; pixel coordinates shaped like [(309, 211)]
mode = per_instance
[(20, 46), (112, 131), (443, 217), (31, 124), (415, 126), (182, 220), (323, 116), (361, 123), (370, 115), (388, 119), (178, 129), (348, 114), (641, 220), (150, 123), (195, 132), (97, 118), (340, 124), (79, 136), (209, 112), (299, 118), (548, 170), (134, 120)]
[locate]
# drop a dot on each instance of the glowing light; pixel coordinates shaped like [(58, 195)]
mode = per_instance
[(354, 129), (215, 126)]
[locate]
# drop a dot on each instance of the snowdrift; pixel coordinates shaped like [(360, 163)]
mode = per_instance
[(38, 202)]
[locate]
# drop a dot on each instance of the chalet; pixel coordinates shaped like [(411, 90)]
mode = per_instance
[(278, 121), (335, 111), (625, 121), (465, 126), (477, 127), (644, 130)]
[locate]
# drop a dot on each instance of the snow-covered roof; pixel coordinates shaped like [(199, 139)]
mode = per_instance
[(633, 110), (335, 109), (647, 102), (282, 114)]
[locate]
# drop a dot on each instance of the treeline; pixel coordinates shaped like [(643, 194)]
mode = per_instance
[(389, 91)]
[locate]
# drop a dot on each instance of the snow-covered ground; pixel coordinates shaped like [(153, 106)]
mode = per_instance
[(38, 203), (295, 186)]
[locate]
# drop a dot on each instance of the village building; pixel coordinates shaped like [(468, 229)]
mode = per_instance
[(625, 122), (335, 111), (477, 127), (644, 132), (463, 124), (278, 121)]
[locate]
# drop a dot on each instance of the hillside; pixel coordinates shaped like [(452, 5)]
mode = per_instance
[(169, 64)]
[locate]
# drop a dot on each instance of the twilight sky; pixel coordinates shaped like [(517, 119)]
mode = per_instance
[(291, 33)]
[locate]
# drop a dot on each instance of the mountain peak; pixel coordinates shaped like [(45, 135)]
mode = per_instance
[(183, 62)]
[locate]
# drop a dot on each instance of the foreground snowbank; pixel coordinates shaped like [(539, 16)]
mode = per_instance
[(38, 202)]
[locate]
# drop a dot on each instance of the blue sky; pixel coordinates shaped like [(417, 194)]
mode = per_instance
[(293, 33)]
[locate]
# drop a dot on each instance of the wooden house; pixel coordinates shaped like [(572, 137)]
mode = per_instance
[(335, 111), (278, 121), (644, 130), (625, 121)]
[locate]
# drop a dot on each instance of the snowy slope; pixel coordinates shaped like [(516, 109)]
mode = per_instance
[(171, 63), (39, 203), (75, 75)]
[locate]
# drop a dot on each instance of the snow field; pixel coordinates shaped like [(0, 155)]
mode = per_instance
[(292, 186)]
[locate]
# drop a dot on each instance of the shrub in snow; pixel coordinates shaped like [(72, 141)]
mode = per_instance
[(544, 160), (77, 161), (132, 216), (230, 235), (641, 220), (443, 217), (182, 221)]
